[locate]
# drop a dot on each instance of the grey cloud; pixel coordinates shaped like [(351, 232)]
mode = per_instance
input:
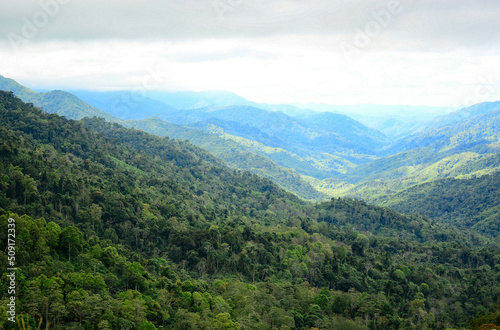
[(236, 52), (450, 24), (429, 24)]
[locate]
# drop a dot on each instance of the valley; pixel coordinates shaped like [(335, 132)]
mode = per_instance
[(314, 154)]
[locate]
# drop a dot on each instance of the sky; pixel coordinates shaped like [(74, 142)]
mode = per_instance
[(412, 52)]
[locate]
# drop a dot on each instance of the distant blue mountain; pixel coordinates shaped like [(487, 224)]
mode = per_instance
[(195, 100), (125, 104), (463, 114), (395, 121)]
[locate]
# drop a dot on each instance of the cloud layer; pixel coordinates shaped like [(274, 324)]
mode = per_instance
[(337, 51)]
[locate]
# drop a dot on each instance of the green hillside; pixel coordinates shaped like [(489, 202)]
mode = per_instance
[(119, 229), (249, 138), (234, 154), (468, 203), (464, 149), (482, 129), (60, 102), (321, 154), (479, 135), (293, 134), (320, 146)]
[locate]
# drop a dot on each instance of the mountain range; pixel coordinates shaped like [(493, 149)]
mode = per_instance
[(123, 103), (306, 146), (311, 153), (466, 147)]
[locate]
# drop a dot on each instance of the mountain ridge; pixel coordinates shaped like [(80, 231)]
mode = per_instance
[(316, 155), (67, 104), (71, 106)]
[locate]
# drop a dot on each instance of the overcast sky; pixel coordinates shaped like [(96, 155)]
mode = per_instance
[(417, 52)]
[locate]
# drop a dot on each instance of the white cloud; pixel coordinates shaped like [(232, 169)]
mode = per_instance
[(432, 52)]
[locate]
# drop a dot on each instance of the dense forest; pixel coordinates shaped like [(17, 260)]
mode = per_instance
[(467, 203), (234, 154), (120, 229)]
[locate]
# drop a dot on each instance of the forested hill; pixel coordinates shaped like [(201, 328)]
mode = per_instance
[(479, 132), (467, 203), (464, 147), (119, 229), (323, 133), (57, 101), (233, 154), (124, 106)]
